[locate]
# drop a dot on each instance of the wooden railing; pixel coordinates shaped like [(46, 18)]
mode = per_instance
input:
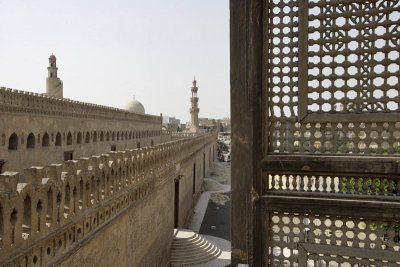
[(317, 212)]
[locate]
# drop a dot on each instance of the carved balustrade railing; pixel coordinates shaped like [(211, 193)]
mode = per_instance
[(47, 211), (323, 210)]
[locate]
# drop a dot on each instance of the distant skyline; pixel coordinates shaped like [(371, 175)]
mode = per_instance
[(109, 51)]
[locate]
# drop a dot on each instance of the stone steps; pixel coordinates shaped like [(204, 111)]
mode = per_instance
[(189, 248)]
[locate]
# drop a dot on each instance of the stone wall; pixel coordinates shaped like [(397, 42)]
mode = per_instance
[(37, 129), (110, 210)]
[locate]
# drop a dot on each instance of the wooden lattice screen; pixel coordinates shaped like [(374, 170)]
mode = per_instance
[(315, 172), (333, 76)]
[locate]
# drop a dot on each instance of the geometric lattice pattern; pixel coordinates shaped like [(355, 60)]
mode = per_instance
[(353, 56), (283, 57), (345, 138), (352, 69), (291, 235)]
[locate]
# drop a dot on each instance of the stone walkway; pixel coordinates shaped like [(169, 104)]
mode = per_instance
[(211, 215)]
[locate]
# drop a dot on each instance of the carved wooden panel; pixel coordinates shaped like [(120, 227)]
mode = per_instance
[(298, 239), (349, 51), (333, 76)]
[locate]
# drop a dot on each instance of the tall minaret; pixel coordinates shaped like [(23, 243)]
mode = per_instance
[(54, 86), (194, 110)]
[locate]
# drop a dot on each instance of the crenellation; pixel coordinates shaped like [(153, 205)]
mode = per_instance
[(8, 182), (70, 166), (53, 172), (33, 175), (40, 204), (23, 101)]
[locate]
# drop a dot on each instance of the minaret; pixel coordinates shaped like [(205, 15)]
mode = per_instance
[(194, 110), (54, 86)]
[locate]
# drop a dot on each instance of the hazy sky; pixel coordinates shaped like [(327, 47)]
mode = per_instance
[(108, 51)]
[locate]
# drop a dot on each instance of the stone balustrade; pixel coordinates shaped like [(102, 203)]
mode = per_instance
[(183, 135), (46, 212), (179, 134)]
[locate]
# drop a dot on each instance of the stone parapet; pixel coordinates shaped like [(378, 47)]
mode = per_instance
[(48, 212), (180, 134), (16, 101)]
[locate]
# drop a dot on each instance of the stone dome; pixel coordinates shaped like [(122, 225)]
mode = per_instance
[(135, 107)]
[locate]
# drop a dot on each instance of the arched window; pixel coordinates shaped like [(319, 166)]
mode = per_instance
[(113, 136), (79, 138), (30, 142), (101, 136), (45, 140), (87, 139), (13, 142), (108, 136), (95, 137), (58, 139), (69, 139), (117, 136)]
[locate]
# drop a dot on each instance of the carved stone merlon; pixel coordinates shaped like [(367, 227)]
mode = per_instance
[(33, 175), (9, 181), (54, 171)]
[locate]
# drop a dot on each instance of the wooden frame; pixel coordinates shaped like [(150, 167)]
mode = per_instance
[(248, 114), (384, 165)]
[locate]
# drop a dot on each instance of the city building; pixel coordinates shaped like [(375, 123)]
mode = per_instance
[(206, 124), (171, 124)]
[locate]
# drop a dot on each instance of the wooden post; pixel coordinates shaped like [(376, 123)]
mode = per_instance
[(247, 106)]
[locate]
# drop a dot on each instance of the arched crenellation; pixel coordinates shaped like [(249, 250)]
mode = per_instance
[(27, 217), (63, 192)]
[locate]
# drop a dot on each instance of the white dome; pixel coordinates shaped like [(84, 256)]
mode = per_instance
[(135, 107)]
